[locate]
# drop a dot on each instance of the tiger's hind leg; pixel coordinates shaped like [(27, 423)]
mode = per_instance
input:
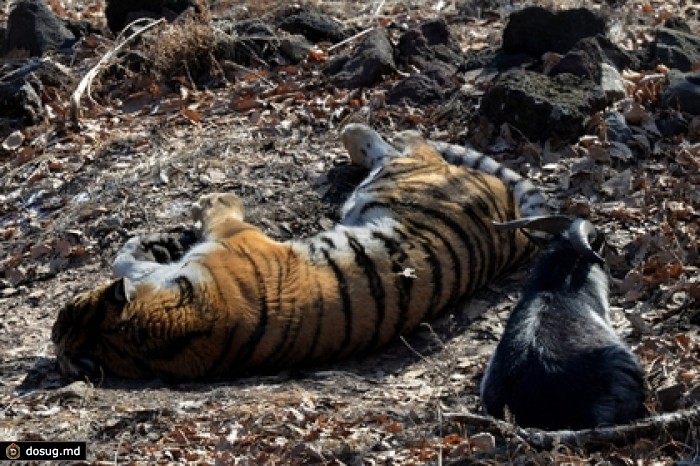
[(219, 214), (366, 147)]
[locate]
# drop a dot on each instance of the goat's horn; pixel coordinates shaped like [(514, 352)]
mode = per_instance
[(579, 232), (552, 224)]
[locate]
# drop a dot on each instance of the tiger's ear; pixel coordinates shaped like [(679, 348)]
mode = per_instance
[(123, 291)]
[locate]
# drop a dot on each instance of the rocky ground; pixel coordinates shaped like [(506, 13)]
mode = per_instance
[(248, 98)]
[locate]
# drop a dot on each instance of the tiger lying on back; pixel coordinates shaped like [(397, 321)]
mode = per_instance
[(415, 238)]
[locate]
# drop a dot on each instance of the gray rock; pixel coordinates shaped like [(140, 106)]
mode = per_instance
[(540, 106), (617, 129), (671, 123), (612, 83), (21, 88), (420, 89), (32, 26), (676, 49), (313, 25), (296, 48), (493, 58), (119, 13), (430, 46), (602, 50), (247, 42), (19, 101), (586, 58), (372, 59), (678, 24), (535, 30), (683, 92), (579, 64)]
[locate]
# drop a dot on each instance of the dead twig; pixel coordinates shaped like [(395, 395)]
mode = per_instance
[(350, 39), (674, 424), (86, 82)]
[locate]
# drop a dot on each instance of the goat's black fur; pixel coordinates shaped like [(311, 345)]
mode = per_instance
[(559, 363)]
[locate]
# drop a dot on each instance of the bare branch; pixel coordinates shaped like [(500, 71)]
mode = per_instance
[(674, 424), (86, 82)]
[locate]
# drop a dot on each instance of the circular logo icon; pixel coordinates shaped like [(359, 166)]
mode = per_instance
[(12, 451)]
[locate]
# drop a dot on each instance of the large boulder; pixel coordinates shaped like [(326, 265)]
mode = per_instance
[(313, 24), (425, 88), (536, 30), (119, 13), (32, 26), (373, 59), (683, 92), (21, 90), (430, 46), (676, 48), (540, 107)]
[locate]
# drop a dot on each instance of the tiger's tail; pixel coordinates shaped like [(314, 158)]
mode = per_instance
[(527, 196)]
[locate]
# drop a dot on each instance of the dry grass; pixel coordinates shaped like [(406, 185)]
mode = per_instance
[(183, 48)]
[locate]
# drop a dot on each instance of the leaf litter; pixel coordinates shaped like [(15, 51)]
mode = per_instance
[(146, 149)]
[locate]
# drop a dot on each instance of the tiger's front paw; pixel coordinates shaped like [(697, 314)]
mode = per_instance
[(165, 248)]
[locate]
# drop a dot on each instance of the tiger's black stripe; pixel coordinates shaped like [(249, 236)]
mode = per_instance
[(513, 256), (344, 297), (376, 287), (186, 291), (292, 325), (221, 359), (460, 233), (319, 318), (402, 282), (428, 246), (394, 174), (249, 347)]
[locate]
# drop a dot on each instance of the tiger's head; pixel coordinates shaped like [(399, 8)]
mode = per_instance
[(89, 334)]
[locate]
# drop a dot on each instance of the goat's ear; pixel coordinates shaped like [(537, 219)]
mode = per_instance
[(123, 291)]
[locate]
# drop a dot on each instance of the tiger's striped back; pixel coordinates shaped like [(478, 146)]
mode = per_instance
[(414, 240)]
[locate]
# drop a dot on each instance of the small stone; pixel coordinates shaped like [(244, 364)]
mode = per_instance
[(483, 442), (669, 396), (612, 83), (683, 92), (617, 129), (419, 89)]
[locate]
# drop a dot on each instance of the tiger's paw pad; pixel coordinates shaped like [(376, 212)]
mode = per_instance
[(365, 146), (165, 248)]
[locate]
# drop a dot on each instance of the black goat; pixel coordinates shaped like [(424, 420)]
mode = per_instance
[(559, 363)]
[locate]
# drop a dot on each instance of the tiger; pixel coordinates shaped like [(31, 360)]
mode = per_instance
[(414, 240)]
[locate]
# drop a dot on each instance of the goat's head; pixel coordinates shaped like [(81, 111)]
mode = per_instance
[(579, 232)]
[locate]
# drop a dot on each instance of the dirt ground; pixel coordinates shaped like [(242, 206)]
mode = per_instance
[(71, 204)]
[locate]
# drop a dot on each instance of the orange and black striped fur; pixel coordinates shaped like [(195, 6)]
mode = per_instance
[(415, 239)]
